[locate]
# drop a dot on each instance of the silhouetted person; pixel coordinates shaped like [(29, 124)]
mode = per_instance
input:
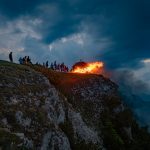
[(25, 58), (20, 60), (55, 65), (46, 64), (28, 60), (10, 57), (52, 66), (58, 67), (62, 67)]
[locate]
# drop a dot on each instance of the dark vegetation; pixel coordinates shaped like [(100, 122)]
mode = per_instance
[(63, 81)]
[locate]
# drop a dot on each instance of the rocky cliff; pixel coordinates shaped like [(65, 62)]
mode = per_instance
[(47, 110)]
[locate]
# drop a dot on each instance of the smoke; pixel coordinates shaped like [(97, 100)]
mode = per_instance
[(135, 93)]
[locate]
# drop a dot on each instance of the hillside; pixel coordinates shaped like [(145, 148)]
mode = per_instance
[(48, 110)]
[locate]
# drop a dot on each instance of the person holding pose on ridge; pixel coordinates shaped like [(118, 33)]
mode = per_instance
[(10, 57)]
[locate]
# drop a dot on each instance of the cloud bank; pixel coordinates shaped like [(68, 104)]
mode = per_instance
[(116, 32)]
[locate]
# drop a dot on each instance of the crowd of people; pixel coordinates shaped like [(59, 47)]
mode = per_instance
[(59, 67), (25, 60), (54, 65)]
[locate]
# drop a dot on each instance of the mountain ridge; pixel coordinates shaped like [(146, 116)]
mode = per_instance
[(44, 109)]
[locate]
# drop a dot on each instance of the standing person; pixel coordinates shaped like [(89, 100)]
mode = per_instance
[(55, 65), (10, 57), (67, 69), (20, 60), (46, 64), (52, 66), (25, 58), (62, 67), (28, 60), (58, 67)]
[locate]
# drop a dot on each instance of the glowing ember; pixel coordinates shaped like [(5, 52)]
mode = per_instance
[(90, 67)]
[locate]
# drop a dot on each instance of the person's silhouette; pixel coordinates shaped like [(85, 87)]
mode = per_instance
[(10, 57)]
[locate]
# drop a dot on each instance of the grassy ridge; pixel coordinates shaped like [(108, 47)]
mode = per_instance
[(113, 135), (63, 81)]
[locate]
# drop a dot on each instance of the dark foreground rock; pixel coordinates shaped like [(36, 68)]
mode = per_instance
[(38, 112)]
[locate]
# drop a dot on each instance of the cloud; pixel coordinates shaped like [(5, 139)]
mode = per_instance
[(129, 29), (77, 46), (135, 89), (143, 72), (16, 8), (19, 36), (146, 61), (123, 25)]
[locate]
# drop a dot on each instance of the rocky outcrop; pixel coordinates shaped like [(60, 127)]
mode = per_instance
[(38, 112), (35, 113)]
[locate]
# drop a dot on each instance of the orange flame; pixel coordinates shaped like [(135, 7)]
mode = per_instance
[(91, 67)]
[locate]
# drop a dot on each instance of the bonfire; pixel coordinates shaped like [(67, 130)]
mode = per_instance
[(88, 67)]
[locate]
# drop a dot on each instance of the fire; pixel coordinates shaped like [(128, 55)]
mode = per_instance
[(90, 67)]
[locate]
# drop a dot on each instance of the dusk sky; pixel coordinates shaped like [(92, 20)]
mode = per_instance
[(114, 31)]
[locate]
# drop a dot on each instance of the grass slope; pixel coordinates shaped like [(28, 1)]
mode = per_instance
[(64, 81)]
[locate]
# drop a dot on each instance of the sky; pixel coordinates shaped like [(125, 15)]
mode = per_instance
[(116, 32)]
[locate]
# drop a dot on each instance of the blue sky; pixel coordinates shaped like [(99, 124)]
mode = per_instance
[(117, 32)]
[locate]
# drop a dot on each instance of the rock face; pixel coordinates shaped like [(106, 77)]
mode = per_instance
[(35, 114)]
